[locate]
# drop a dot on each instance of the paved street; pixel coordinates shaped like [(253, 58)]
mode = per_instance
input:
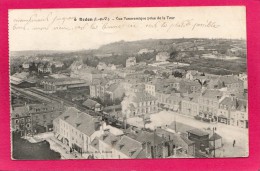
[(55, 145)]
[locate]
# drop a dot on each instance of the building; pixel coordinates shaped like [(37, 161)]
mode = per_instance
[(176, 142), (57, 64), (35, 118), (102, 87), (152, 143), (215, 141), (88, 74), (21, 120), (173, 102), (239, 114), (190, 105), (162, 56), (243, 77), (77, 129), (128, 148), (93, 105), (22, 80), (191, 74), (139, 104), (63, 84), (44, 68), (200, 138), (26, 66), (153, 86), (145, 51), (209, 104), (101, 66), (233, 111), (232, 84), (114, 91), (131, 61)]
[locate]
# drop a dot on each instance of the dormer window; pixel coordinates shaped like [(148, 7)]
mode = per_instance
[(121, 146)]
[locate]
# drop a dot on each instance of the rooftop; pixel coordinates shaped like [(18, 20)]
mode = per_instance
[(198, 132), (65, 81)]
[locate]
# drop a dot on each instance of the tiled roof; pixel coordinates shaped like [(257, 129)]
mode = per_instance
[(109, 138), (230, 79), (95, 143), (198, 132), (80, 120), (143, 136), (215, 94), (175, 97), (90, 103), (113, 87), (233, 101), (129, 147), (21, 111), (143, 96), (215, 137), (193, 97), (65, 81)]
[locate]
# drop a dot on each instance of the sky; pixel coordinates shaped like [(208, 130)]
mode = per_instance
[(56, 29)]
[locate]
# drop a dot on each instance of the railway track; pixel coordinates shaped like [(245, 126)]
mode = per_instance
[(49, 98)]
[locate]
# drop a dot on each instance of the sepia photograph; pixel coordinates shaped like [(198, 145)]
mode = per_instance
[(128, 83)]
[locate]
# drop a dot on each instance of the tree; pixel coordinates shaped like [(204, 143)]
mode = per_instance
[(165, 75), (32, 67), (177, 74)]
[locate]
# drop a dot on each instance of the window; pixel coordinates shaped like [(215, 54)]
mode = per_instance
[(16, 121)]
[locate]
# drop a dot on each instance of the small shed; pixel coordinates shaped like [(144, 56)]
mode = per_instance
[(93, 105)]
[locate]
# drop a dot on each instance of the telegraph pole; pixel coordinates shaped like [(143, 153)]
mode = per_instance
[(214, 155), (175, 126)]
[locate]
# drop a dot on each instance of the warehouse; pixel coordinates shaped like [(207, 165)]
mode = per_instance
[(63, 84)]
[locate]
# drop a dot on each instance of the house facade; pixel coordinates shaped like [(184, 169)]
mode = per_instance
[(209, 104), (139, 104)]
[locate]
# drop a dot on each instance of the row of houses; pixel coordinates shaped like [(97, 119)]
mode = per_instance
[(92, 138), (31, 119)]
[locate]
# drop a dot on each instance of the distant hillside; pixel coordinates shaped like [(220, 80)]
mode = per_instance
[(124, 47), (45, 52)]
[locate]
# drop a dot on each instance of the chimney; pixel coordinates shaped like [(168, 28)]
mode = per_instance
[(96, 126)]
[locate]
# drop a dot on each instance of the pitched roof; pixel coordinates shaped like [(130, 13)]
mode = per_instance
[(21, 111), (64, 81), (95, 143), (113, 87), (109, 138), (143, 136), (193, 97), (230, 79), (83, 122), (129, 146), (143, 96), (177, 138), (215, 137), (90, 103), (233, 101), (198, 132), (215, 94)]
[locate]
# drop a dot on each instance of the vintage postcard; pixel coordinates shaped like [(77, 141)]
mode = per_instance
[(128, 83)]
